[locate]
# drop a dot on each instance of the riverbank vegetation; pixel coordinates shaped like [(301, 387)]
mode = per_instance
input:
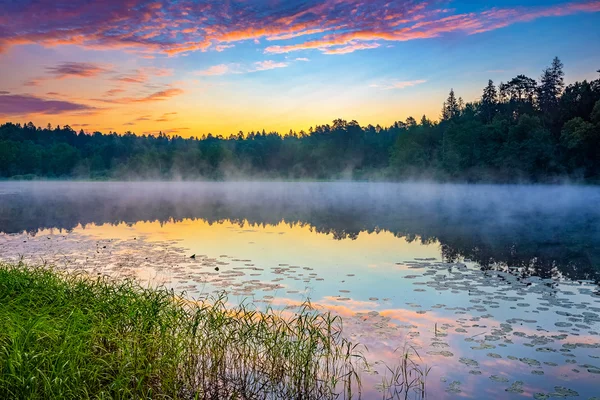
[(520, 130), (72, 336)]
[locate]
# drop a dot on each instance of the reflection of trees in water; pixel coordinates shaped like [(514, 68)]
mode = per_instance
[(526, 241)]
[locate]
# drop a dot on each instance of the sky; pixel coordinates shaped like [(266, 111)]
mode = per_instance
[(190, 67)]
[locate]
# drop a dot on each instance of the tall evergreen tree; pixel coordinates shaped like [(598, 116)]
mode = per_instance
[(489, 102), (551, 87), (452, 107)]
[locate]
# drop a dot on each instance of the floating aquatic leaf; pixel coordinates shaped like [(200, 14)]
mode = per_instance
[(483, 346), (560, 391), (593, 371), (443, 353), (563, 324), (530, 361), (516, 387), (454, 387), (469, 362)]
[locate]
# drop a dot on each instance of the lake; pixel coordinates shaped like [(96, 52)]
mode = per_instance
[(496, 287)]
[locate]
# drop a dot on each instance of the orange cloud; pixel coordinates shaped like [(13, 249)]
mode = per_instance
[(159, 96), (156, 96)]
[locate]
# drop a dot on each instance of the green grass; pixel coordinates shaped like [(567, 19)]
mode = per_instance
[(72, 336)]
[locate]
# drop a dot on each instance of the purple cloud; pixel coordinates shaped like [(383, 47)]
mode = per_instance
[(17, 104), (76, 69)]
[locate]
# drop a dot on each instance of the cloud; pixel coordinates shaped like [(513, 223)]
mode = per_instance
[(156, 71), (302, 59), (331, 26), (158, 96), (398, 84), (113, 92), (69, 70), (76, 69), (351, 48), (136, 76), (142, 75), (17, 104), (223, 69), (269, 64), (220, 69), (166, 117), (222, 47)]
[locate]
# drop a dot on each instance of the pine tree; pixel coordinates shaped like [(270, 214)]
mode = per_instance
[(551, 86), (489, 101), (444, 116), (451, 107)]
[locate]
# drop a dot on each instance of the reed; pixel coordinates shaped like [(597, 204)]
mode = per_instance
[(407, 378)]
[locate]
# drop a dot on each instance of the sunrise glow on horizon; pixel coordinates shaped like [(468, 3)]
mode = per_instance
[(196, 67)]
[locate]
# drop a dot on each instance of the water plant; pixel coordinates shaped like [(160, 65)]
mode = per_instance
[(406, 378)]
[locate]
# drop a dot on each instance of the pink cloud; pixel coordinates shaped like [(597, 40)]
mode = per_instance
[(269, 64), (223, 69), (351, 48), (398, 84), (223, 47), (220, 69)]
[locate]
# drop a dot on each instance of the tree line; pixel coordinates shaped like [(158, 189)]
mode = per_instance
[(520, 130)]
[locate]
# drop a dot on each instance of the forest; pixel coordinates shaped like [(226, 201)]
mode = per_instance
[(523, 130)]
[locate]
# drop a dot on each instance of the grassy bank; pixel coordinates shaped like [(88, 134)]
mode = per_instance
[(72, 336)]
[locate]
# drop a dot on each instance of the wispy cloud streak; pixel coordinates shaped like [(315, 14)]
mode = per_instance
[(225, 69), (398, 84), (21, 104)]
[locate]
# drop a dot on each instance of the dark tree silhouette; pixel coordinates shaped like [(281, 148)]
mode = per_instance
[(489, 102)]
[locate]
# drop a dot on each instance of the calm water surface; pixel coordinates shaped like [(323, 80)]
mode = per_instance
[(496, 286)]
